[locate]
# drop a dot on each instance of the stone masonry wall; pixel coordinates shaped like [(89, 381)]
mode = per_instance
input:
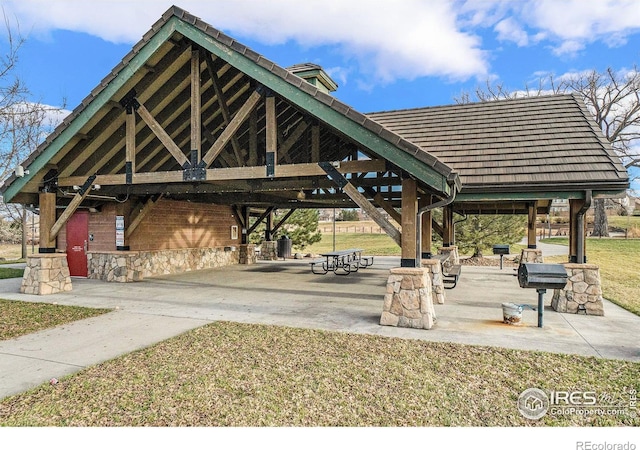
[(437, 282), (454, 256), (46, 273), (269, 250), (247, 254), (531, 255), (408, 302), (583, 292), (131, 266)]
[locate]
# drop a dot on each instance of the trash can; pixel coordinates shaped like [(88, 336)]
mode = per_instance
[(284, 247), (512, 313)]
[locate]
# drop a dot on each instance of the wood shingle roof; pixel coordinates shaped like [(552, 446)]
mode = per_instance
[(526, 144)]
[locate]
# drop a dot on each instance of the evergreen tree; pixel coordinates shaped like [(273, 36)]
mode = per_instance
[(480, 232)]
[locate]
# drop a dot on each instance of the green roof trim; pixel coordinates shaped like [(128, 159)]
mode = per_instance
[(40, 161)]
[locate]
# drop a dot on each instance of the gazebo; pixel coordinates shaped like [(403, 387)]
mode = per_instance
[(194, 139)]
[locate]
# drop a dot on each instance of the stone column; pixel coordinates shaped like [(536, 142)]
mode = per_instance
[(583, 292), (408, 302), (46, 273), (248, 254), (437, 282), (269, 250), (452, 251), (531, 255)]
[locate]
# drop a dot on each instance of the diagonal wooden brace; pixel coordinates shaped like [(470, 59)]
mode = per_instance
[(361, 201), (73, 205)]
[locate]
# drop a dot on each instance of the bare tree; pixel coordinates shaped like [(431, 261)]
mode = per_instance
[(23, 123), (614, 101)]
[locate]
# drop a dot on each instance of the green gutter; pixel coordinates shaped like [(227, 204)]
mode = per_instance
[(315, 107), (92, 108)]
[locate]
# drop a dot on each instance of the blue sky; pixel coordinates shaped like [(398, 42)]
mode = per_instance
[(383, 54)]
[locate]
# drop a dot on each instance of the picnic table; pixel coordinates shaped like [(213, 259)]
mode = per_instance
[(341, 262)]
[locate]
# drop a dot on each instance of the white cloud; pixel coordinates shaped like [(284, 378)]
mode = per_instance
[(390, 40), (509, 30), (575, 23)]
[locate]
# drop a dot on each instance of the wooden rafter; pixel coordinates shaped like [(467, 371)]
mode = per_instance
[(291, 140), (239, 118), (224, 107)]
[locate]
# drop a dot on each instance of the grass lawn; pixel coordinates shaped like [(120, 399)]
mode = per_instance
[(619, 260), (19, 318), (372, 244), (228, 374), (10, 272)]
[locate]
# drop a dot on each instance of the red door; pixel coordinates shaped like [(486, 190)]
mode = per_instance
[(77, 241)]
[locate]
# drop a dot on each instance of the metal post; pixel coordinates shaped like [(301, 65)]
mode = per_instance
[(334, 229), (540, 306), (501, 255)]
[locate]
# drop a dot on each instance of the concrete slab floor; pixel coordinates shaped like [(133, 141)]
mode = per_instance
[(287, 293)]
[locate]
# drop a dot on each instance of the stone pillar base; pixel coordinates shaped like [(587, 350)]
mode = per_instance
[(46, 273), (408, 302), (454, 257), (269, 251), (437, 282), (248, 254), (583, 292), (531, 255)]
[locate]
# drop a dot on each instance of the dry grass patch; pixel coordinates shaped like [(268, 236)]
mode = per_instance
[(228, 374), (19, 318)]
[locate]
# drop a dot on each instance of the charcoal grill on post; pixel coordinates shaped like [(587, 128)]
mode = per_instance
[(542, 277), (501, 249)]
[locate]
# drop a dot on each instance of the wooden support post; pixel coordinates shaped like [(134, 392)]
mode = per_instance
[(196, 110), (268, 233), (130, 143), (409, 217), (574, 208), (271, 130), (47, 219), (426, 229), (531, 228), (245, 211), (242, 115), (447, 227)]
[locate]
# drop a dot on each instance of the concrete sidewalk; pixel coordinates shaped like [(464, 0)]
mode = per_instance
[(286, 293)]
